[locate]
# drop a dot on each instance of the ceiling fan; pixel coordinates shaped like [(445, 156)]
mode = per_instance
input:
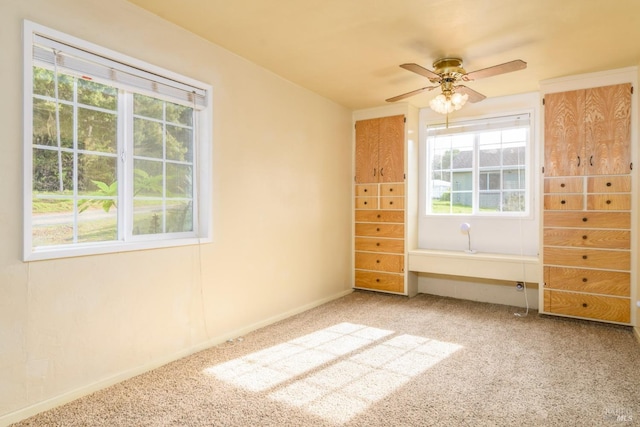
[(447, 75)]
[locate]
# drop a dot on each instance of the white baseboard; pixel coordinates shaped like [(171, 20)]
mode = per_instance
[(72, 395)]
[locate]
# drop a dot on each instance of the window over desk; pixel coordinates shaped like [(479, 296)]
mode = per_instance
[(478, 167)]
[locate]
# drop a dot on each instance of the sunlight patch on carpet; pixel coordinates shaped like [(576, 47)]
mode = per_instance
[(335, 373), (267, 368), (343, 390)]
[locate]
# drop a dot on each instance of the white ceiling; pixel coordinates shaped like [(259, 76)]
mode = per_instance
[(349, 50)]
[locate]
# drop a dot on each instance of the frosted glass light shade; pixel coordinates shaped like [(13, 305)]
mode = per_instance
[(445, 104)]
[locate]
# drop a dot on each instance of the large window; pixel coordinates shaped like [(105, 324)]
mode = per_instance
[(478, 167), (116, 154)]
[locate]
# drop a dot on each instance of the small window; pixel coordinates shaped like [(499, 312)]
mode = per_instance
[(116, 151), (478, 167)]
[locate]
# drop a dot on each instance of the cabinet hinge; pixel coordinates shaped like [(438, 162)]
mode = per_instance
[(543, 169), (542, 101), (405, 119), (631, 166), (632, 90)]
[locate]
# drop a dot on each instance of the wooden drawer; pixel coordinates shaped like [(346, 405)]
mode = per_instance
[(609, 184), (588, 219), (564, 185), (380, 262), (371, 244), (366, 190), (611, 202), (379, 281), (366, 203), (587, 258), (366, 229), (396, 190), (391, 202), (571, 202), (584, 280), (589, 306), (379, 216), (605, 239)]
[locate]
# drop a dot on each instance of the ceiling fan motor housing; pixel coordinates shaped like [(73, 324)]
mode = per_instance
[(449, 68)]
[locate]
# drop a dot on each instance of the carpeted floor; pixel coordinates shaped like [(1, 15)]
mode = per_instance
[(381, 360)]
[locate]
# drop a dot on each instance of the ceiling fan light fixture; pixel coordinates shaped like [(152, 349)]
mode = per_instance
[(445, 104)]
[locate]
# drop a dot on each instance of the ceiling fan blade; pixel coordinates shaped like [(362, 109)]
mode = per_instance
[(473, 95), (408, 94), (507, 67), (418, 69)]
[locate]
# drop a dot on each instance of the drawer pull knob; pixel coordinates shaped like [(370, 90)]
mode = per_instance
[(584, 219), (584, 237), (562, 185), (377, 280), (608, 184), (390, 190), (584, 280), (584, 304), (562, 202), (608, 202), (365, 190), (377, 243), (366, 203), (378, 229), (377, 261), (391, 202), (379, 215), (584, 257)]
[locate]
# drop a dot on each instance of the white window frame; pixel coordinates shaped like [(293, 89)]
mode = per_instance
[(476, 170), (202, 230)]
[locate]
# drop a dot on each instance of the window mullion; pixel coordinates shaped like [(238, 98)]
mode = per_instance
[(475, 175), (125, 171), (164, 167), (75, 122)]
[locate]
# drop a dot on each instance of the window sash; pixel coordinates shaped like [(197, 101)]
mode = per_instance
[(456, 137), (199, 127)]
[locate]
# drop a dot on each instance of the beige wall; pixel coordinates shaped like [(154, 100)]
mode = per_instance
[(281, 221)]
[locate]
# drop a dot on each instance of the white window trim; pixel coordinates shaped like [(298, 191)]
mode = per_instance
[(202, 162)]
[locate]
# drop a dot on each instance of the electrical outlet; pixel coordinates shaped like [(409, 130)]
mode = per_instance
[(519, 286)]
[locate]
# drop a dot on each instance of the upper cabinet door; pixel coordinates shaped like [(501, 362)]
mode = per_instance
[(380, 150), (367, 137), (588, 131), (391, 149), (564, 133), (608, 130)]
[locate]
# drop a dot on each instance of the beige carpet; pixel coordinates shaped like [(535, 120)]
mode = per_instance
[(380, 360)]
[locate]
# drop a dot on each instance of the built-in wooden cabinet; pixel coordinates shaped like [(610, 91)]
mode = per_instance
[(380, 205), (380, 150), (588, 131), (587, 202)]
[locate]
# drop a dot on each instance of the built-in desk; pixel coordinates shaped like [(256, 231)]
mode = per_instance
[(514, 268)]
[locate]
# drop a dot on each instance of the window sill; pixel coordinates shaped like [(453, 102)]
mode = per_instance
[(109, 248)]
